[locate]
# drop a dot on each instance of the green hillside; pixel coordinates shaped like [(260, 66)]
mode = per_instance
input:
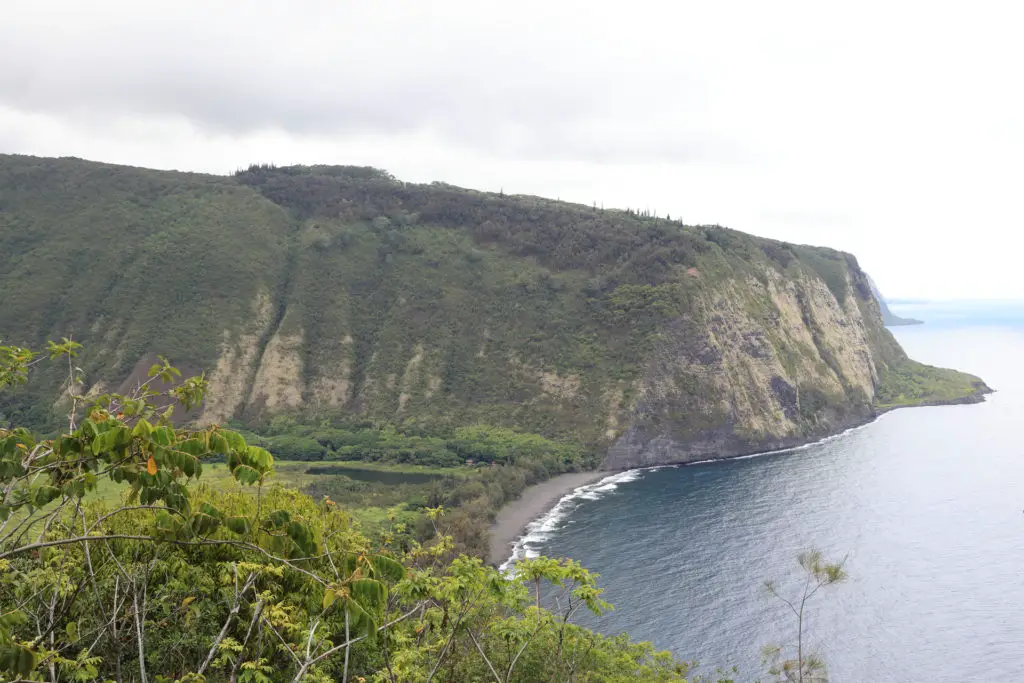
[(332, 290), (419, 354)]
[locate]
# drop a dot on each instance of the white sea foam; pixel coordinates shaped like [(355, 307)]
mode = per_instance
[(540, 529)]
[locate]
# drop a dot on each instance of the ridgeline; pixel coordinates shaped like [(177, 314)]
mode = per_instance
[(334, 290)]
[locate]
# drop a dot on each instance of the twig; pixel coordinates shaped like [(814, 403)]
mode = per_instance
[(227, 622)]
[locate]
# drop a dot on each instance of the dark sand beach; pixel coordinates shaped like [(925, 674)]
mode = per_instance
[(533, 503)]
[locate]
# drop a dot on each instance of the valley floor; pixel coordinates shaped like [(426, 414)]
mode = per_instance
[(533, 503)]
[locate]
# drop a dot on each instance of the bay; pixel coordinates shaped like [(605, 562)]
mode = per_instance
[(924, 504)]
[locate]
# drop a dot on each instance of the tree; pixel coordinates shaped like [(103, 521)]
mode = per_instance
[(807, 667), (177, 580), (66, 561)]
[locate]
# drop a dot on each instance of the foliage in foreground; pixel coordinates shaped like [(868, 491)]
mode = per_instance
[(184, 583), (804, 665)]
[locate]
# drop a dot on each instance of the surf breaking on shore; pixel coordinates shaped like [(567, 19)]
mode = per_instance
[(546, 518), (539, 530)]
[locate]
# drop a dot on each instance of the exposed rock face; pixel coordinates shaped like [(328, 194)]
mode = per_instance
[(229, 381), (333, 388), (342, 291), (279, 384), (756, 363), (751, 370)]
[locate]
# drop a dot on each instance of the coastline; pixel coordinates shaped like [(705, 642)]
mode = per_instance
[(513, 519), (624, 462)]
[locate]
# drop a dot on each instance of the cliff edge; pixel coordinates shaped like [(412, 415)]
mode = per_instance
[(343, 291)]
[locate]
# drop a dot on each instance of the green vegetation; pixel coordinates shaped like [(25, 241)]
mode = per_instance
[(912, 384), (129, 261), (184, 582), (806, 666), (831, 266), (416, 445), (394, 363), (387, 473), (354, 300)]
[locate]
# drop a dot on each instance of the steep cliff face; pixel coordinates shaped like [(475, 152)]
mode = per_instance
[(759, 364), (334, 291)]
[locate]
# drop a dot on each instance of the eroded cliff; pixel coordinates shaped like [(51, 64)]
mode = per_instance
[(341, 291)]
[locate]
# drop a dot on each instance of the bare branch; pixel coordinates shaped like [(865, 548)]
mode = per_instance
[(227, 622), (481, 651), (252, 624), (349, 643)]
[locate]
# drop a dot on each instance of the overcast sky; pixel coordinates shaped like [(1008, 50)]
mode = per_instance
[(891, 130)]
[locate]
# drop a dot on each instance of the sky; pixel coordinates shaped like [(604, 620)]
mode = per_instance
[(892, 130)]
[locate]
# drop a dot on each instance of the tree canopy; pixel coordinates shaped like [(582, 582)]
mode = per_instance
[(181, 581)]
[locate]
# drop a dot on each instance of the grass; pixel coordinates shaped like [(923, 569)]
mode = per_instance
[(911, 383), (217, 476)]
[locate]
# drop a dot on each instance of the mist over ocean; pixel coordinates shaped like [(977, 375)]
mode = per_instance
[(926, 504)]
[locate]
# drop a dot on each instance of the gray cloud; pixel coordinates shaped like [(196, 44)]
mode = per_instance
[(884, 128), (499, 83)]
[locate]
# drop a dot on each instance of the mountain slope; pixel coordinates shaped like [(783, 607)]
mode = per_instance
[(889, 318), (334, 290)]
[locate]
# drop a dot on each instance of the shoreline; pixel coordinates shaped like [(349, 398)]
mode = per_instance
[(749, 451), (535, 501), (514, 518)]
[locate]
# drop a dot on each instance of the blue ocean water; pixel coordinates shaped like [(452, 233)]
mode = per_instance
[(926, 505)]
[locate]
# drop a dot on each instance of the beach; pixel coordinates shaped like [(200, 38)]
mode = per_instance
[(533, 503)]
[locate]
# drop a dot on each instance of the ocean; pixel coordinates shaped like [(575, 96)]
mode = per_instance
[(925, 506)]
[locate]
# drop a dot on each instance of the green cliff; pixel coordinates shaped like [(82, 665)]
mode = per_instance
[(332, 290)]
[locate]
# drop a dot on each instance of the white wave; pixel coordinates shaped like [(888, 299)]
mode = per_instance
[(539, 530), (804, 447)]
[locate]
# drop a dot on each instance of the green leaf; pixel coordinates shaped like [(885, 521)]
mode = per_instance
[(206, 520), (218, 444), (17, 659), (234, 439), (329, 597), (44, 494), (240, 525), (302, 537), (103, 442), (163, 436), (210, 510), (278, 518), (388, 569), (245, 475), (259, 458), (142, 429), (370, 593), (192, 447)]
